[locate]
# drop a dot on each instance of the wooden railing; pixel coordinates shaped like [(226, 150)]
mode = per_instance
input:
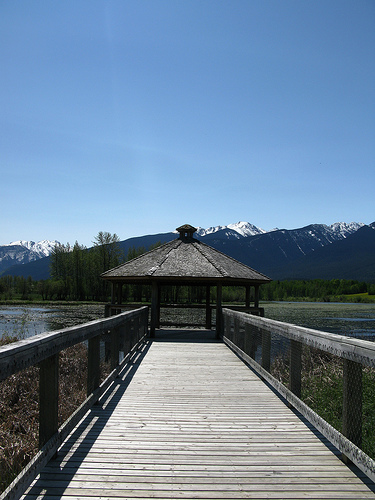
[(254, 339), (122, 333)]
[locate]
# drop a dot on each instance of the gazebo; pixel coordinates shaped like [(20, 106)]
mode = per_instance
[(185, 261)]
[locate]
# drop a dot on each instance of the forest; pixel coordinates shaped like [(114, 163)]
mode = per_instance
[(75, 276)]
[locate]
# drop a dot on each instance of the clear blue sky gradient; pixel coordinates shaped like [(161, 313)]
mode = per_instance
[(138, 116)]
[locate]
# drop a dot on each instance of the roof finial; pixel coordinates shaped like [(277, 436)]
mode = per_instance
[(186, 232)]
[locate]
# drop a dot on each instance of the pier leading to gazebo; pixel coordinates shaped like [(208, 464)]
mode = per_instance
[(185, 261)]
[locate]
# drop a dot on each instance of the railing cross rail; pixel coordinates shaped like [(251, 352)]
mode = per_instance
[(355, 353), (43, 350)]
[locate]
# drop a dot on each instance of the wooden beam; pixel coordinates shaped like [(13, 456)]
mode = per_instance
[(208, 307), (352, 402), (48, 398), (295, 367), (247, 303), (155, 305), (93, 364), (256, 296), (219, 298)]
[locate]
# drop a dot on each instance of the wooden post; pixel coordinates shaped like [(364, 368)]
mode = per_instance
[(115, 347), (295, 367), (256, 296), (266, 350), (250, 341), (48, 398), (219, 316), (208, 307), (119, 293), (158, 307), (352, 402), (93, 364), (236, 332), (154, 308), (247, 302), (112, 293), (226, 327)]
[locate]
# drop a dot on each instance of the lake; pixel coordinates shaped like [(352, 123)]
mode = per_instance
[(344, 319), (25, 321), (356, 320)]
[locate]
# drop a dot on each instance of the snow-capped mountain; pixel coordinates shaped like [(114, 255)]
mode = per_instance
[(274, 252), (41, 248), (344, 229), (23, 252), (238, 230)]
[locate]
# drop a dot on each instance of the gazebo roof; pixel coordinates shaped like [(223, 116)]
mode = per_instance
[(185, 260)]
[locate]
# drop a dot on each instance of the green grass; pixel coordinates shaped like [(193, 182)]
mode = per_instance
[(322, 391), (360, 297)]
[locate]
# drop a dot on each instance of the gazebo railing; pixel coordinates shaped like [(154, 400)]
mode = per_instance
[(123, 334), (316, 372)]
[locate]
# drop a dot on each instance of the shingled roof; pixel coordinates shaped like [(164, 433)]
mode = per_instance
[(185, 260)]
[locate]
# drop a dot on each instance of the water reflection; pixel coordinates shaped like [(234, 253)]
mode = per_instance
[(344, 319), (25, 321)]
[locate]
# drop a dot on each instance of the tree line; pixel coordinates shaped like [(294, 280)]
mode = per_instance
[(318, 289), (75, 276), (75, 273)]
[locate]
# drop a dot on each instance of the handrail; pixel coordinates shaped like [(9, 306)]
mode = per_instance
[(239, 332), (360, 351), (24, 353), (44, 349)]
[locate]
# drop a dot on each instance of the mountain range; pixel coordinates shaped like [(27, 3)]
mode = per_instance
[(339, 251)]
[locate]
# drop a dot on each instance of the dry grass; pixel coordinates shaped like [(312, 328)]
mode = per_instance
[(19, 409)]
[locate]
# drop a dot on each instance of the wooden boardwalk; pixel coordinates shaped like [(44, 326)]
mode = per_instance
[(189, 420)]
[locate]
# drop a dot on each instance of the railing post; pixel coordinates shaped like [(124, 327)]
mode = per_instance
[(250, 341), (266, 350), (208, 308), (352, 402), (295, 367), (135, 335), (93, 364), (154, 308), (226, 326), (219, 311), (115, 347), (48, 398)]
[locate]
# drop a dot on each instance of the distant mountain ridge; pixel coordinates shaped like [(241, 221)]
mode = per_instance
[(238, 230), (23, 252), (340, 250)]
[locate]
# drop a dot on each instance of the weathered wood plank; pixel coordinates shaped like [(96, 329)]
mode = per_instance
[(194, 423)]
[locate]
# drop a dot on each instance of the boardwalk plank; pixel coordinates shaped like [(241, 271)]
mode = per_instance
[(194, 423)]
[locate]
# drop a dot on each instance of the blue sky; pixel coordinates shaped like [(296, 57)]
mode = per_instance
[(138, 116)]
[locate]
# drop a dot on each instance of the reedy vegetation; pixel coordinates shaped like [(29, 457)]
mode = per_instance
[(19, 407), (322, 390)]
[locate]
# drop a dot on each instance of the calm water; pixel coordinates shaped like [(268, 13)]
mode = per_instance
[(344, 319), (26, 321)]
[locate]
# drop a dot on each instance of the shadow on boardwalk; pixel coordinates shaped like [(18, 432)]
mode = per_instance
[(189, 420)]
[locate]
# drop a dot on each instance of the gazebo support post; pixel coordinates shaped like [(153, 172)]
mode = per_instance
[(119, 293), (112, 292), (154, 308), (208, 307), (256, 296), (219, 295), (247, 302), (158, 307)]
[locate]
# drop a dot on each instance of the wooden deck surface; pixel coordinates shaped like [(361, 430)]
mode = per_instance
[(189, 420)]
